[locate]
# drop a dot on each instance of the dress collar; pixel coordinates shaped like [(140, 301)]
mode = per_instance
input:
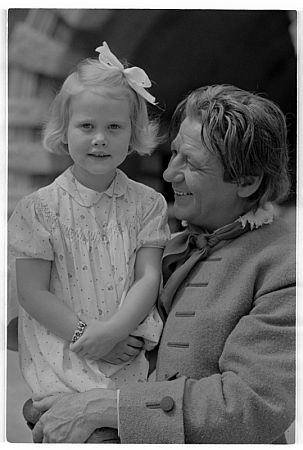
[(85, 196)]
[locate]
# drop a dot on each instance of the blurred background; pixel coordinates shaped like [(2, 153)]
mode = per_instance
[(179, 49)]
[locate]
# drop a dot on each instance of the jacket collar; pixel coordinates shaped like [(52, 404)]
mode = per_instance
[(85, 196)]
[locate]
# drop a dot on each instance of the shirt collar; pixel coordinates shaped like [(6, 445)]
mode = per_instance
[(85, 196), (255, 218)]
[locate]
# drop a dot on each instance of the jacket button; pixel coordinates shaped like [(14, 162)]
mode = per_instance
[(167, 404)]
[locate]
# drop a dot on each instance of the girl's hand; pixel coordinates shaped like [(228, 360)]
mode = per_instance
[(42, 403), (97, 340), (124, 350)]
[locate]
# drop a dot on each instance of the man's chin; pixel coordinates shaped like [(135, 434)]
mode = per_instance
[(180, 213)]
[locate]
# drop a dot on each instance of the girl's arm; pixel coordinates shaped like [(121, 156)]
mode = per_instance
[(33, 277), (142, 295), (12, 335), (100, 337)]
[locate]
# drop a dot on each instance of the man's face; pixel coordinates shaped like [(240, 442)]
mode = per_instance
[(201, 196)]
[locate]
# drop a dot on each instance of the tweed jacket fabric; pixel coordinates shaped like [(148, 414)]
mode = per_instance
[(230, 335)]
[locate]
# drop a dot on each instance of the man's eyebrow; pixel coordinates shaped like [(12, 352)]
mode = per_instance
[(174, 142)]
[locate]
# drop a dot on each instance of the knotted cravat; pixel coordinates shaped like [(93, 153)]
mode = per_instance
[(184, 251)]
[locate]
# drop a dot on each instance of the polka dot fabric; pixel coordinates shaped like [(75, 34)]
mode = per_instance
[(92, 239)]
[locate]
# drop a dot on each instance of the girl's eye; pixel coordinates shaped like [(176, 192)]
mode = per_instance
[(114, 126), (86, 126)]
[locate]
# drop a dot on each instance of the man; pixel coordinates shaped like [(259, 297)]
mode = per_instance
[(225, 369)]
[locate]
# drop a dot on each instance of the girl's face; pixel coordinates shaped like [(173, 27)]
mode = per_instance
[(98, 136)]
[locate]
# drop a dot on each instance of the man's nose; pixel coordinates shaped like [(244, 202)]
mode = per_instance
[(173, 173)]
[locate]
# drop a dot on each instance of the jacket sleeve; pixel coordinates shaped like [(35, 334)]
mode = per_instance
[(251, 399), (152, 413)]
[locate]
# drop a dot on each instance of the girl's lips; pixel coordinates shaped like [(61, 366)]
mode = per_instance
[(98, 156)]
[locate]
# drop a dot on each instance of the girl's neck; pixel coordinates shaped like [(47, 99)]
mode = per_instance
[(98, 183)]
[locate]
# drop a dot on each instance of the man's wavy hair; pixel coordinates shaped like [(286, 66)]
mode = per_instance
[(247, 132), (89, 76)]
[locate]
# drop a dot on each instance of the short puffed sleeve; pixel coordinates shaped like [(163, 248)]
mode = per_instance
[(28, 235), (27, 238), (154, 229)]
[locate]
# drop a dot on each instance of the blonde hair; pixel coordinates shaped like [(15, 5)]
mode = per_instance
[(89, 75)]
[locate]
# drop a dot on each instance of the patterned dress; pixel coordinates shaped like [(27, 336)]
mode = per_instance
[(91, 238)]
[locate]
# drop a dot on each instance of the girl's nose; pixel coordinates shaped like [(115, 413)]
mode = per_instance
[(173, 174), (99, 140)]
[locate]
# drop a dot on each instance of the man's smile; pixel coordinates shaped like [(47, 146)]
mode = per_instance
[(182, 194)]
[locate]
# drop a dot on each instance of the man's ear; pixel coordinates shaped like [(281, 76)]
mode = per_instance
[(249, 185)]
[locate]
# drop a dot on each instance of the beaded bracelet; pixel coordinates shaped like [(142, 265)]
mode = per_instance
[(79, 330)]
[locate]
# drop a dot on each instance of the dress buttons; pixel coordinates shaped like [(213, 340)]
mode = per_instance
[(167, 404)]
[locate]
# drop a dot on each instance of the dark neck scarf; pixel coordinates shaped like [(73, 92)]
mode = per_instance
[(184, 251)]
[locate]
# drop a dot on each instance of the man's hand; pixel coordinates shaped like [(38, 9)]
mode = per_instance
[(74, 417), (124, 350)]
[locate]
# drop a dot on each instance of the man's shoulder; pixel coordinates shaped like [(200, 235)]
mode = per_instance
[(269, 249), (268, 245), (281, 233)]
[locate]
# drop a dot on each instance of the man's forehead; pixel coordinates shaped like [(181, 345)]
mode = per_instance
[(190, 126), (188, 140), (189, 132)]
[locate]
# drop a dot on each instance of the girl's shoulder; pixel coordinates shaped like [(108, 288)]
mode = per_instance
[(37, 196), (45, 197), (138, 190)]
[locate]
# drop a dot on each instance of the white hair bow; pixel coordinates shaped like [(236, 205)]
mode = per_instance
[(135, 76)]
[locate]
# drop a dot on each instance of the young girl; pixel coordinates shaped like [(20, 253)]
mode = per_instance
[(88, 246)]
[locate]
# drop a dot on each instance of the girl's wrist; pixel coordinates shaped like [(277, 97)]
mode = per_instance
[(110, 329), (118, 328), (79, 330), (85, 318)]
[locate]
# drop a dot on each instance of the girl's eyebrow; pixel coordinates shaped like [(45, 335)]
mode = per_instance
[(122, 121)]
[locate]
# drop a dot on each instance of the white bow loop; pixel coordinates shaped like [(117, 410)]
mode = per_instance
[(107, 58), (135, 76)]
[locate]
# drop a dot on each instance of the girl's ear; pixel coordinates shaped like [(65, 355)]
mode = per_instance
[(249, 185)]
